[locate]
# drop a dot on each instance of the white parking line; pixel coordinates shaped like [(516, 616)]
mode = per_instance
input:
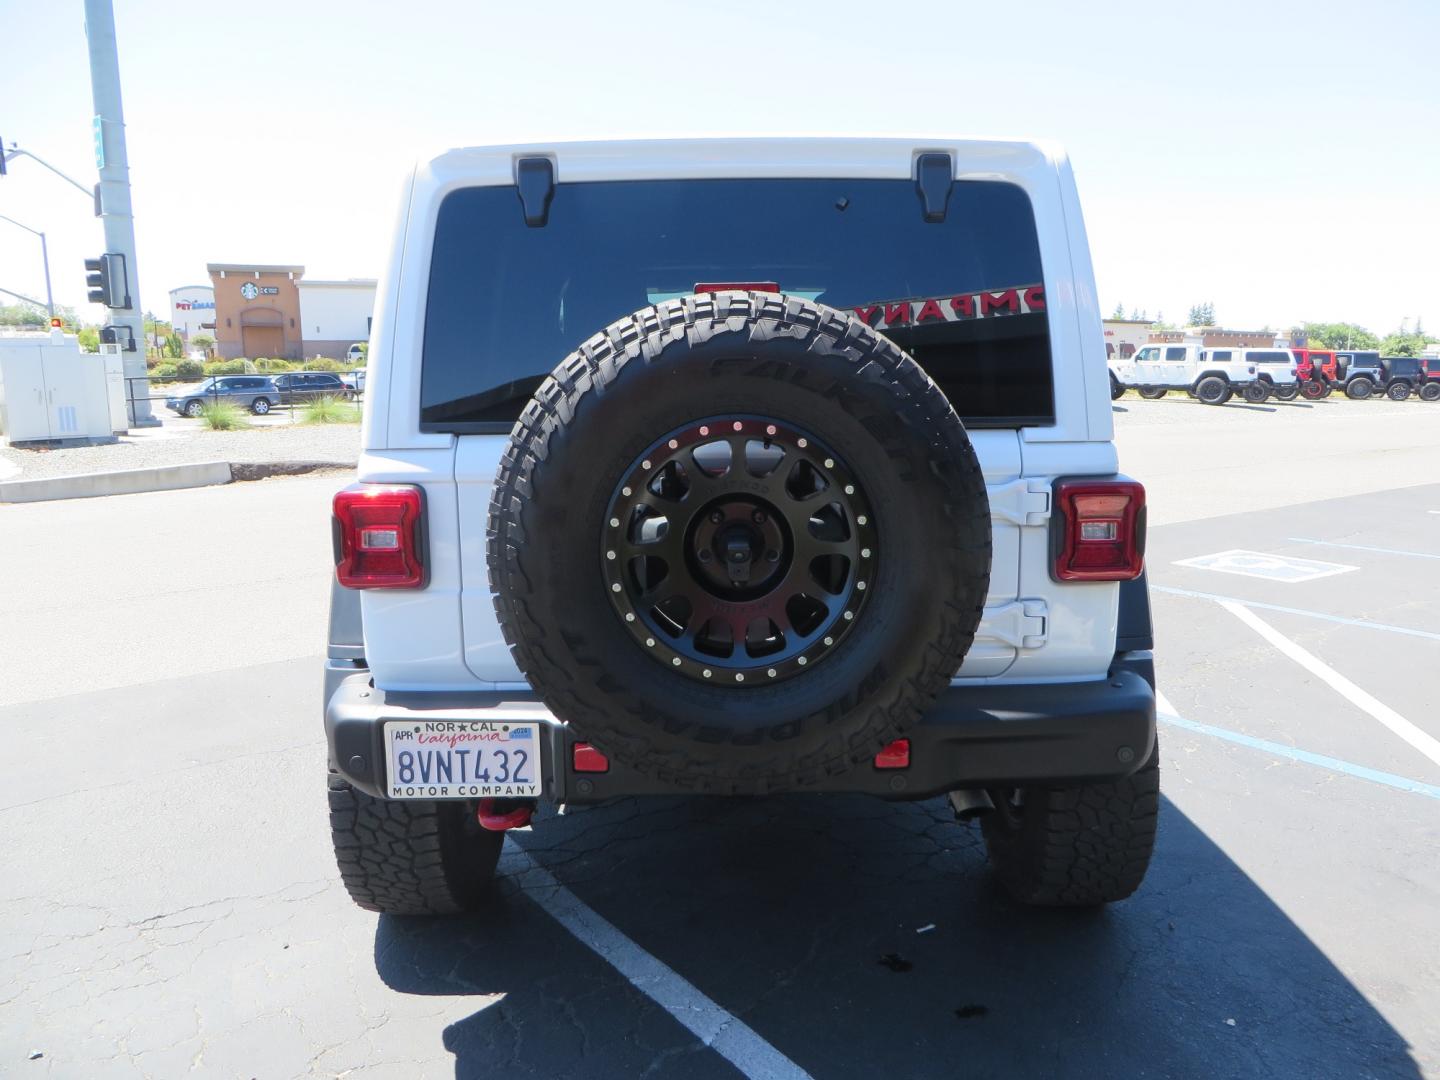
[(1368, 624), (1365, 547), (723, 1032), (1427, 744)]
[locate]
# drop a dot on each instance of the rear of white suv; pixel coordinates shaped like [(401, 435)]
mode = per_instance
[(740, 466)]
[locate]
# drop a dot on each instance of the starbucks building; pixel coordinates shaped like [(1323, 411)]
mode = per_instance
[(257, 310)]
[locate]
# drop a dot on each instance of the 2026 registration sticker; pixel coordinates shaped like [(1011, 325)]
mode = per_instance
[(462, 759)]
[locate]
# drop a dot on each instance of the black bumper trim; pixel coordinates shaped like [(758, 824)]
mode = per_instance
[(983, 736)]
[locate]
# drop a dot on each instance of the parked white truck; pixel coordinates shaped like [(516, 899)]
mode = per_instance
[(1213, 376)]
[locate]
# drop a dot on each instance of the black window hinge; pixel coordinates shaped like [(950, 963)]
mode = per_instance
[(934, 176), (535, 181)]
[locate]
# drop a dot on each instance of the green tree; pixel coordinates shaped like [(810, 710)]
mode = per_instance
[(174, 347), (1119, 312), (1339, 335), (1201, 315), (89, 339), (1403, 343), (203, 342), (23, 315)]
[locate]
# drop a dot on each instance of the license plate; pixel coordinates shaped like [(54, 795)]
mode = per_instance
[(462, 759)]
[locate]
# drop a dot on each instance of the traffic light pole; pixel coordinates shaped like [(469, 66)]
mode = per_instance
[(115, 195)]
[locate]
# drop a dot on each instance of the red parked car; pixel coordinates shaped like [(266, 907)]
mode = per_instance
[(1318, 371)]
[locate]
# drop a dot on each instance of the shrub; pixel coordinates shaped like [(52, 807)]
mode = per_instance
[(271, 366), (164, 371), (189, 369), (225, 367), (324, 363), (329, 410), (223, 416)]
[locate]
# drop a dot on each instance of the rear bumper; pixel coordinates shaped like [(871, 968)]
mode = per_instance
[(974, 736)]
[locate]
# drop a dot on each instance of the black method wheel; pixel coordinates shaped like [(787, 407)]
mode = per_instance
[(1287, 393), (1257, 392), (411, 858), (1312, 389), (1116, 390), (1397, 391), (1153, 393), (1430, 392), (194, 408), (1076, 846), (1213, 390), (723, 583), (722, 552), (260, 406), (1359, 389)]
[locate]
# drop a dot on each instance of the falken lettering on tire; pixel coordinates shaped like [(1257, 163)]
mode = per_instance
[(817, 376)]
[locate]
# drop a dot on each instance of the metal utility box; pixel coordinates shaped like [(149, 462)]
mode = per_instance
[(51, 392)]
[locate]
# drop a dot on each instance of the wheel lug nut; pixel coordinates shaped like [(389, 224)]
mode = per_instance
[(772, 555), (716, 517), (758, 517), (705, 555)]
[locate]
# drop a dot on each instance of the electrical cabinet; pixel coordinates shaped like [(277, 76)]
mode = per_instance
[(51, 391)]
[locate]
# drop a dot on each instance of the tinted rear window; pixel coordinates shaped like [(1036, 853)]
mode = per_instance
[(507, 302)]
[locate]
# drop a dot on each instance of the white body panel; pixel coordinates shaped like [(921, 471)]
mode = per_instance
[(446, 636), (1178, 367)]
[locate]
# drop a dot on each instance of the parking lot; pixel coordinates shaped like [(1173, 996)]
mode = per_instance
[(171, 906)]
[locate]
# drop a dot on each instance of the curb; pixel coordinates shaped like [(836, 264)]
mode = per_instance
[(160, 478)]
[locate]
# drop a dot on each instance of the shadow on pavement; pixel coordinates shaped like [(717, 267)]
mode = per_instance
[(800, 916)]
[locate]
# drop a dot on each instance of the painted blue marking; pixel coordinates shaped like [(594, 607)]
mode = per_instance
[(1368, 624), (1334, 764)]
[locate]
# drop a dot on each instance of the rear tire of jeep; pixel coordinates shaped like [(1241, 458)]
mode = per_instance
[(1116, 390), (1153, 393), (1257, 393), (1076, 846), (1359, 389), (1311, 390), (1213, 390), (411, 858), (1287, 393), (1397, 391), (731, 693), (1430, 392)]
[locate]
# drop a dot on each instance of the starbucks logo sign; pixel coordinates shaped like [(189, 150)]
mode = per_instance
[(250, 290)]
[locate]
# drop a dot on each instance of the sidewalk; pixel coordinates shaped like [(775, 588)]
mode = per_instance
[(181, 441)]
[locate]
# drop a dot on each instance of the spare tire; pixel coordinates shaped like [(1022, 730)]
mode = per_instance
[(739, 541)]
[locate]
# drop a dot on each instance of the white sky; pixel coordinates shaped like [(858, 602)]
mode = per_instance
[(1277, 158)]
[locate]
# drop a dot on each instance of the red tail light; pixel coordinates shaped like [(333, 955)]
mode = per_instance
[(1098, 530), (379, 536)]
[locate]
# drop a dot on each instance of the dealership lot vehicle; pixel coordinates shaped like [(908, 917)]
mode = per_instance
[(1318, 371), (1275, 372), (257, 393), (1157, 369), (709, 526), (1360, 373)]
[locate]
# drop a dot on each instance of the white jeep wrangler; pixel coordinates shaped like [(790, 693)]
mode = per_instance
[(739, 467), (1155, 370)]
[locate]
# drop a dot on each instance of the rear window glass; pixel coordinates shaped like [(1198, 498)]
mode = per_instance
[(1270, 357), (964, 296)]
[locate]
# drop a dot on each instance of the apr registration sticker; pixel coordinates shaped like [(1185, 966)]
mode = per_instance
[(462, 759)]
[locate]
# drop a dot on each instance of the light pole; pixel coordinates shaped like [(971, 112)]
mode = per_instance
[(44, 257)]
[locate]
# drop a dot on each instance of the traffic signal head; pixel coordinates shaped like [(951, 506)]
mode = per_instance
[(97, 281), (105, 280)]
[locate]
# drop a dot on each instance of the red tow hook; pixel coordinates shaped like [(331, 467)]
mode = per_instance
[(498, 815)]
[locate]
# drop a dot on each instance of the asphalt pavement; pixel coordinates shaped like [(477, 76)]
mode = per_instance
[(171, 906)]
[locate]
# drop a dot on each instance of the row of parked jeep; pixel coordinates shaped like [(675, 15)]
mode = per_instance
[(1214, 376)]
